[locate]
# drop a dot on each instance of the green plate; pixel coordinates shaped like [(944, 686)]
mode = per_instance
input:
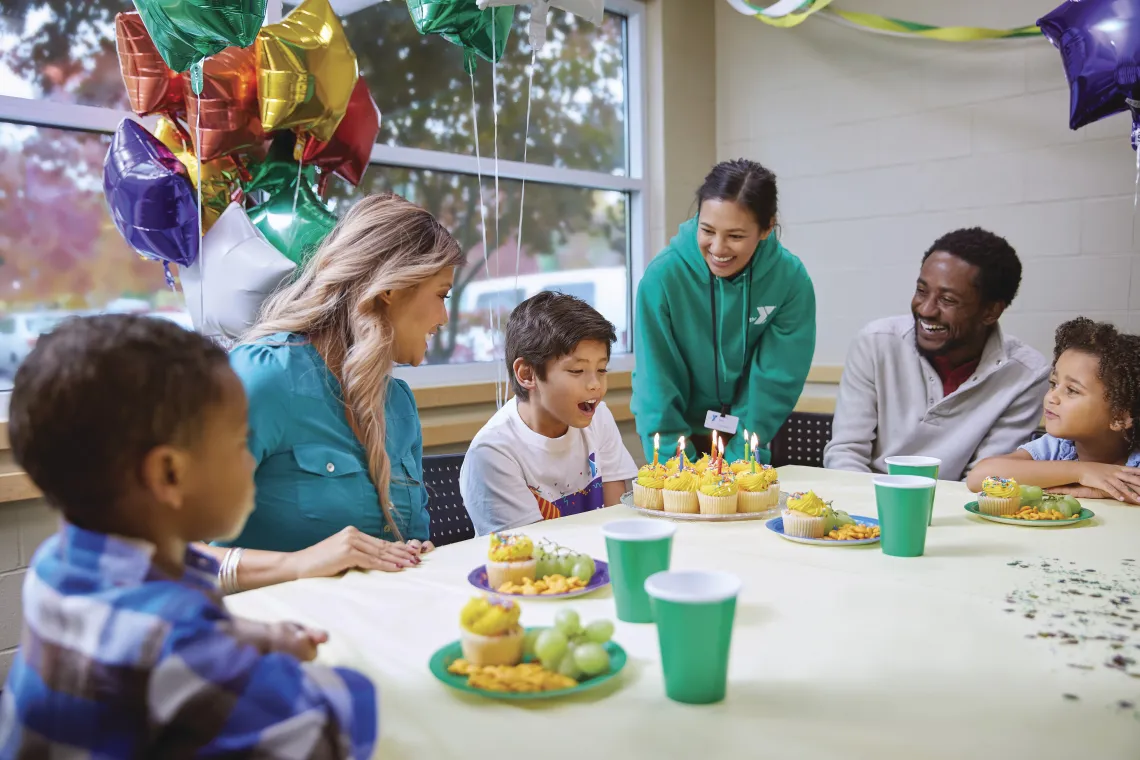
[(448, 654), (1086, 514)]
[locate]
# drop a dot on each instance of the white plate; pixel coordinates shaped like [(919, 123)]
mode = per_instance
[(627, 500)]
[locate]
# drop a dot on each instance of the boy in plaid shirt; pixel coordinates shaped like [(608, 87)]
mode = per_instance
[(135, 429)]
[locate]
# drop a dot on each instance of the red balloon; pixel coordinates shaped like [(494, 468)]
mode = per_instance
[(152, 86), (231, 119), (348, 151)]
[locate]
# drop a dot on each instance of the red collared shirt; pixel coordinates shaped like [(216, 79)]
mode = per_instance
[(952, 377)]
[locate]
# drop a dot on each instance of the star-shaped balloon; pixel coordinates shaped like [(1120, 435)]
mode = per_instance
[(279, 168), (306, 71), (221, 178), (350, 148), (150, 197), (294, 221), (186, 31), (230, 118), (236, 272), (462, 22), (1099, 42), (152, 86)]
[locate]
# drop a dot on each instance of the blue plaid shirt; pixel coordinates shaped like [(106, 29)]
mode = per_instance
[(118, 660)]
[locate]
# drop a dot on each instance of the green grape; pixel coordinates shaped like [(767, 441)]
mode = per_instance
[(545, 566), (529, 639), (592, 659), (552, 664), (550, 645), (584, 569), (567, 622), (569, 668), (600, 631), (565, 565)]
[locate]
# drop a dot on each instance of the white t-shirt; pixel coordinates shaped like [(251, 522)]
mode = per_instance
[(512, 476)]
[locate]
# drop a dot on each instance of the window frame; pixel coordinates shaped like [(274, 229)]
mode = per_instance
[(83, 118)]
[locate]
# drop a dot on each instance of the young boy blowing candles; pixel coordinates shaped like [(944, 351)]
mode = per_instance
[(554, 449), (135, 429), (1092, 417)]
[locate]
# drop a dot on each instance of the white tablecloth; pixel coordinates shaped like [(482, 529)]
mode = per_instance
[(837, 652)]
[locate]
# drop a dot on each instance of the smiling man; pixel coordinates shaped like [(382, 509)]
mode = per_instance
[(943, 381)]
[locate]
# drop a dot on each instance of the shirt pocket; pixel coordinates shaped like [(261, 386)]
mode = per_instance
[(330, 484), (407, 491)]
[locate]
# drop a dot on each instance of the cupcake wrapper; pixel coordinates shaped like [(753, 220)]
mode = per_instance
[(717, 505), (681, 502), (759, 501), (991, 505), (499, 573), (803, 526), (648, 498), (492, 650)]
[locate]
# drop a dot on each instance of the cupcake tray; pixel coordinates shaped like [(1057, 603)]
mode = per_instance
[(627, 500)]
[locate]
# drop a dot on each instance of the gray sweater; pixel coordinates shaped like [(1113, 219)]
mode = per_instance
[(891, 403)]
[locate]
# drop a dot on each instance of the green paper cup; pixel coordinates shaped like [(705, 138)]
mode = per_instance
[(904, 508), (636, 549), (694, 611), (924, 467)]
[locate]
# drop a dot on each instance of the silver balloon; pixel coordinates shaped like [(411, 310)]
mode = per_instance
[(236, 271)]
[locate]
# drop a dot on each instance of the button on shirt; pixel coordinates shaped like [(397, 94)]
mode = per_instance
[(312, 472)]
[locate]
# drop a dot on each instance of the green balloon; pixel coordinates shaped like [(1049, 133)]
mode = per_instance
[(278, 170), (186, 31), (478, 32), (295, 233)]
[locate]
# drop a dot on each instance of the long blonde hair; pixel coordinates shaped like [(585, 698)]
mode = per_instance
[(383, 243)]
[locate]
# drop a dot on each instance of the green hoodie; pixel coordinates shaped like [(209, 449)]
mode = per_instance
[(767, 312)]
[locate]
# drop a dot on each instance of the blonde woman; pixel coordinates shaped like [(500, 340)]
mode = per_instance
[(337, 439)]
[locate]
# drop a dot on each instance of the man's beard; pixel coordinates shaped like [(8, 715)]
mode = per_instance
[(952, 343)]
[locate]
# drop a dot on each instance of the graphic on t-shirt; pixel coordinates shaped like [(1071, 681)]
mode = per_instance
[(575, 503)]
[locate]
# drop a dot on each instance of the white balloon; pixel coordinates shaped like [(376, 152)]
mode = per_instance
[(591, 10), (236, 271)]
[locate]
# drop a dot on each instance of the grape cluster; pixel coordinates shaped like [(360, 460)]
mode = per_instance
[(558, 560), (570, 649)]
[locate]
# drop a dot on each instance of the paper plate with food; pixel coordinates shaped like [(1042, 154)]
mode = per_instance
[(497, 658), (1002, 500), (808, 519), (516, 566)]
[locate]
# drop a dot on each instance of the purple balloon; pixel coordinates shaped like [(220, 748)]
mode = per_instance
[(1099, 42), (150, 196)]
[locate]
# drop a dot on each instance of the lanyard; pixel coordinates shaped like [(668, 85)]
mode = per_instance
[(717, 362)]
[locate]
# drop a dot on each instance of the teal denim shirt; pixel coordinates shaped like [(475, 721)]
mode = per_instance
[(312, 473)]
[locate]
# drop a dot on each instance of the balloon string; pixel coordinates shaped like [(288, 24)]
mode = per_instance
[(201, 215), (297, 189), (500, 377), (526, 141), (483, 221)]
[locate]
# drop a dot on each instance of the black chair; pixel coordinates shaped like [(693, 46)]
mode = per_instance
[(801, 440), (449, 519)]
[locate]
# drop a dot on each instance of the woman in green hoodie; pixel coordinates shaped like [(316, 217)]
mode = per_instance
[(724, 330)]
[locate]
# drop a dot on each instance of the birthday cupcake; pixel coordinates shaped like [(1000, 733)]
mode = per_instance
[(647, 489), (740, 466), (510, 560), (999, 497), (702, 464), (718, 497), (490, 632), (760, 490), (680, 493), (806, 516)]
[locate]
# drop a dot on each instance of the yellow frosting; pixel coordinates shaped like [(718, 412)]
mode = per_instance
[(720, 488), (752, 481), (771, 477), (740, 466), (1000, 488), (702, 464), (808, 503), (685, 480), (710, 476), (652, 477), (490, 618), (510, 548)]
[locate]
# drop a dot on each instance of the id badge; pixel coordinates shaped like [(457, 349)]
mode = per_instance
[(723, 423)]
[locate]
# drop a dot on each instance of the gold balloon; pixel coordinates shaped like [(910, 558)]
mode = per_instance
[(306, 71), (221, 177)]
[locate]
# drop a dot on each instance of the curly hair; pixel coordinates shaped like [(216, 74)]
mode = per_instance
[(1119, 357), (999, 269)]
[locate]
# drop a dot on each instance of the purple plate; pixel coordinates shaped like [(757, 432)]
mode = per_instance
[(478, 579)]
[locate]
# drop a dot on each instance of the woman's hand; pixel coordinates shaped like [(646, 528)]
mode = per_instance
[(350, 549), (421, 547), (1120, 483)]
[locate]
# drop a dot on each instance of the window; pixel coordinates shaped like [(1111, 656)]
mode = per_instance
[(61, 94)]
